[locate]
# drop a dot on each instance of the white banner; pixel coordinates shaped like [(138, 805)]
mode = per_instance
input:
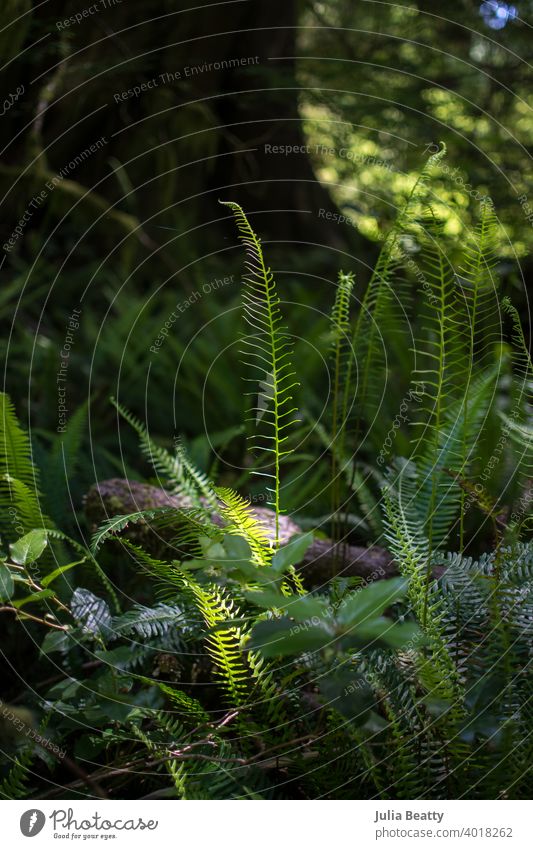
[(272, 824)]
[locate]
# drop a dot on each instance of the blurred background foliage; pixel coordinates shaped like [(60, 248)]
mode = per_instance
[(132, 232)]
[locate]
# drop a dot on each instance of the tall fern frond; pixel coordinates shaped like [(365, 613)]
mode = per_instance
[(379, 304), (268, 350), (480, 328), (518, 425), (342, 362)]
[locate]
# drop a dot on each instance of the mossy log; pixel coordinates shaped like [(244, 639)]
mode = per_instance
[(323, 561)]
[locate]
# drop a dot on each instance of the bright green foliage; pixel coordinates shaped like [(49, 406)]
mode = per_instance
[(243, 523)]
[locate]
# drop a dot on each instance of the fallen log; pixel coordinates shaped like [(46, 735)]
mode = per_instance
[(323, 561)]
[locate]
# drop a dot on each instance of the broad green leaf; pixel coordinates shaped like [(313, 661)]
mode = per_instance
[(7, 587), (371, 601), (292, 553), (55, 641), (269, 599), (300, 608), (236, 547), (38, 596), (348, 691), (381, 632), (57, 572), (282, 637), (28, 548)]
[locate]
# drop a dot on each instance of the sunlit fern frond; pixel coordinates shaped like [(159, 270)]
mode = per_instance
[(267, 349), (223, 644), (242, 522), (342, 387)]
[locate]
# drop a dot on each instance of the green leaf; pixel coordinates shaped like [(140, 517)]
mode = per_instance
[(269, 599), (348, 691), (57, 572), (282, 637), (29, 548), (7, 586), (298, 607), (237, 547), (381, 632), (371, 601), (55, 641), (38, 596), (292, 553)]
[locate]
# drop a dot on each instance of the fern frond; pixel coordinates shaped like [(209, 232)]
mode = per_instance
[(242, 522), (113, 526), (223, 644), (267, 350), (177, 469), (479, 290), (19, 478), (378, 315), (54, 533), (518, 425), (342, 361), (15, 784)]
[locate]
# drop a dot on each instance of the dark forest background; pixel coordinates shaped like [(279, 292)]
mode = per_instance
[(360, 92)]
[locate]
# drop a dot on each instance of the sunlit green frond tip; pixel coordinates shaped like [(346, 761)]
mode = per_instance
[(267, 349)]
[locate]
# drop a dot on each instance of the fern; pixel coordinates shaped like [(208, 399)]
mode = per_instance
[(267, 350), (166, 464), (242, 522), (15, 784), (223, 644), (479, 292), (342, 358), (15, 447), (518, 425), (116, 524), (377, 315), (54, 533)]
